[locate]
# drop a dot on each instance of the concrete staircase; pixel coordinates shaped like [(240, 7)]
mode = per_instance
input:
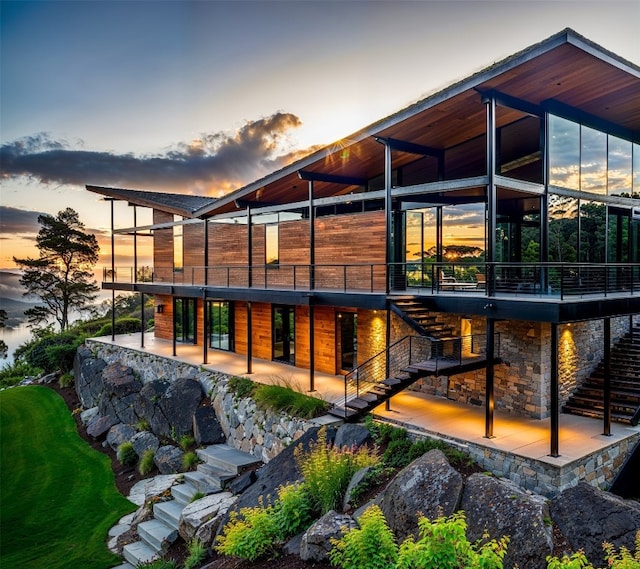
[(220, 464)]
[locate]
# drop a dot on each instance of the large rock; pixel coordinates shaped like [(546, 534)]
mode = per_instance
[(144, 441), (118, 434), (429, 486), (168, 459), (498, 508), (179, 404), (201, 519), (98, 427), (120, 392), (206, 427), (588, 517), (87, 373), (355, 481), (146, 405), (352, 435), (316, 541)]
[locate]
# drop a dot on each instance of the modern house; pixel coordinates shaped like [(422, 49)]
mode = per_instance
[(482, 244)]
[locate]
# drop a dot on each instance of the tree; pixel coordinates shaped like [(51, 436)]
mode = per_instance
[(4, 349), (61, 276)]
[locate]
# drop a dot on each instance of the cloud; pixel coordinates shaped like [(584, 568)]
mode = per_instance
[(213, 164), (16, 221)]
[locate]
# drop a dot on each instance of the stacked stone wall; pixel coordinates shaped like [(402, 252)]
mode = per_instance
[(247, 428)]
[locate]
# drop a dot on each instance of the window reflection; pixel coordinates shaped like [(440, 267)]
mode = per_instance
[(564, 152), (619, 166), (563, 229), (593, 163), (636, 169), (593, 230)]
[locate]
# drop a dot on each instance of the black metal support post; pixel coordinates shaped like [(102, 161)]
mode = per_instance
[(312, 240), (142, 319), (388, 211), (607, 377), (249, 342), (492, 200), (135, 245), (312, 386), (205, 327), (113, 277), (555, 393), (387, 342), (206, 253), (249, 251), (173, 316), (489, 374)]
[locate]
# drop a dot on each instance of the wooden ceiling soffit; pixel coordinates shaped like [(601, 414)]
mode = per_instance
[(409, 147), (511, 102), (331, 178)]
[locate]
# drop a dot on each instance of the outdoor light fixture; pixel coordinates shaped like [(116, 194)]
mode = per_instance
[(160, 308)]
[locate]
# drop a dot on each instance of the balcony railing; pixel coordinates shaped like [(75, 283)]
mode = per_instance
[(559, 280)]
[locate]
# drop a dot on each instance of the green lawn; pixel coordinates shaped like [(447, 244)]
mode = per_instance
[(58, 498)]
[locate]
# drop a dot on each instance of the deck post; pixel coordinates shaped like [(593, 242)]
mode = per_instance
[(249, 344), (142, 319), (388, 213), (205, 326), (311, 348), (387, 403), (492, 199), (206, 253), (489, 387), (135, 245), (173, 316), (113, 277), (249, 251), (607, 377), (312, 240), (554, 395)]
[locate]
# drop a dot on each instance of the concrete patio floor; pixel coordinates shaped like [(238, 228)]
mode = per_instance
[(530, 438)]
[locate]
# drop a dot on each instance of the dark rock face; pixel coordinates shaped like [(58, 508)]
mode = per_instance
[(168, 459), (119, 393), (87, 372), (144, 441), (429, 486), (352, 435), (500, 508), (118, 434), (179, 403), (206, 427), (316, 541), (99, 426), (588, 517)]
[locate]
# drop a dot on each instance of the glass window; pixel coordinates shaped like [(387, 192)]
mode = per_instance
[(593, 232), (619, 179), (463, 238), (593, 161), (519, 153), (221, 325), (563, 229), (564, 152), (185, 320), (178, 245), (272, 253), (636, 170)]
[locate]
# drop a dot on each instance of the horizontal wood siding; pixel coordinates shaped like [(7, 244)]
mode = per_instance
[(163, 323), (324, 338), (260, 327), (162, 248), (227, 247), (193, 247)]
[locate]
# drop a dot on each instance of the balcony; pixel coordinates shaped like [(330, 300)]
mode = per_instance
[(557, 281)]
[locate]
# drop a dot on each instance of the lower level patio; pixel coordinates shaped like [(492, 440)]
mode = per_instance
[(529, 438)]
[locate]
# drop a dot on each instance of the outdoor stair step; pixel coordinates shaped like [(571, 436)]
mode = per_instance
[(124, 566), (168, 512), (227, 457), (215, 473), (594, 413), (201, 482), (381, 389), (139, 552), (158, 535), (392, 381), (621, 381), (596, 403), (341, 412), (598, 389), (183, 493), (358, 403)]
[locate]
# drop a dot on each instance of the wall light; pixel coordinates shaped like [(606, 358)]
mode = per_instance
[(160, 308)]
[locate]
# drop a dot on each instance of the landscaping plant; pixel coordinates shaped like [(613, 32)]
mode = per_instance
[(146, 464), (622, 559), (125, 454), (197, 552)]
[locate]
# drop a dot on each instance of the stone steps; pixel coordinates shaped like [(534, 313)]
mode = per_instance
[(221, 463)]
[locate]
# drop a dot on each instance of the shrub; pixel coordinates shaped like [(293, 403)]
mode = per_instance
[(66, 380), (189, 460), (53, 351), (125, 454), (159, 564), (123, 326), (197, 552), (186, 442), (142, 425), (197, 496), (371, 546), (293, 510), (11, 374), (146, 463), (327, 470), (622, 559), (286, 399), (443, 544), (241, 386)]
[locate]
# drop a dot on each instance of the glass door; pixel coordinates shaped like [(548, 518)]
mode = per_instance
[(347, 341), (185, 320), (284, 334), (220, 325)]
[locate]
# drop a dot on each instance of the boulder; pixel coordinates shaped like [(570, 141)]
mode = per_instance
[(201, 519), (88, 415), (149, 488), (49, 378), (118, 434), (356, 479), (120, 389), (316, 541), (206, 427), (242, 482), (588, 517), (146, 405), (144, 441), (179, 404), (352, 435), (429, 486), (99, 426), (497, 507), (87, 373), (168, 459), (122, 408)]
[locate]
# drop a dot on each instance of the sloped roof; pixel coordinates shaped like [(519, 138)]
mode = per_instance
[(178, 204)]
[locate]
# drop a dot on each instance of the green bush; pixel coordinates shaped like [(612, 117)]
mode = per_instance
[(189, 460), (125, 454), (286, 399), (197, 552), (372, 545), (186, 442), (123, 326), (159, 564), (328, 469), (12, 374), (622, 559), (66, 380), (293, 510), (53, 352), (146, 463), (241, 386)]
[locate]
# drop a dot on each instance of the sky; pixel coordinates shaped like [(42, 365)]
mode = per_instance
[(205, 97)]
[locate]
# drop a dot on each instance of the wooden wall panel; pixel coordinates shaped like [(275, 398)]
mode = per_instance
[(162, 248), (227, 244), (324, 338), (260, 327), (163, 323)]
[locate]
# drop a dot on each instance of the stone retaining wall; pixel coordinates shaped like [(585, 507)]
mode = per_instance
[(246, 427)]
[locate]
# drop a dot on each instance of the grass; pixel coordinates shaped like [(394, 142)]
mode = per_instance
[(285, 398), (58, 495)]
